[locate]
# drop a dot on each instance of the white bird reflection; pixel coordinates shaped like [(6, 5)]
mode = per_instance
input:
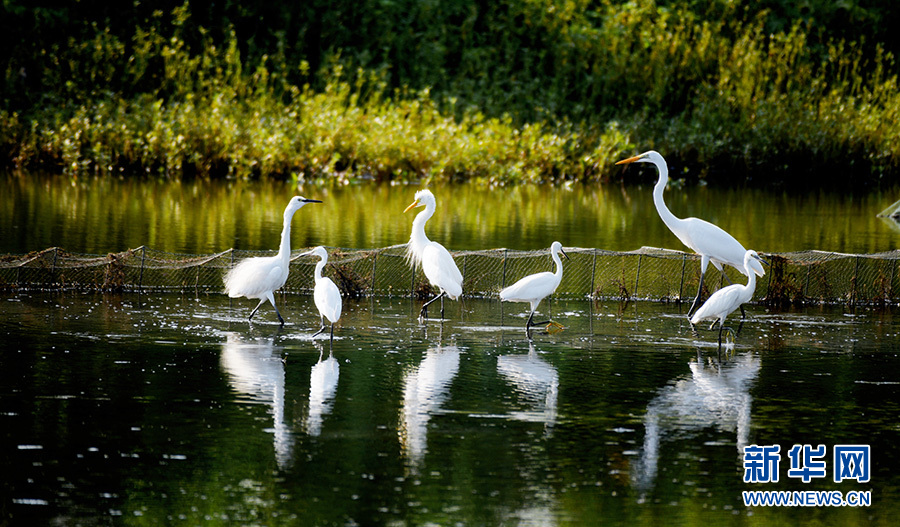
[(323, 380), (714, 396), (256, 370), (536, 380), (425, 388)]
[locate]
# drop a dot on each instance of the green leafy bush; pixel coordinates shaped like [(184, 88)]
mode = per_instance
[(503, 92)]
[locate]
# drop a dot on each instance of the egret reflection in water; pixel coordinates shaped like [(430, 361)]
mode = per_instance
[(255, 369), (716, 395), (425, 388), (323, 380), (536, 380)]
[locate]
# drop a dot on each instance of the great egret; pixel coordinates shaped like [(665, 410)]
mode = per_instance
[(536, 287), (326, 295), (260, 277), (436, 261), (709, 241), (727, 299)]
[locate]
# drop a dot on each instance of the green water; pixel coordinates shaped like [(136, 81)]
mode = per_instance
[(200, 217), (168, 409)]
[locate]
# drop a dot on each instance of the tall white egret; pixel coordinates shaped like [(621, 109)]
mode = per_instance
[(326, 295), (709, 241), (536, 287), (260, 277), (436, 261), (727, 299)]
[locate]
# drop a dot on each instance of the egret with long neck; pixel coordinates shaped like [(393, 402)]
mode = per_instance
[(435, 260), (536, 287), (326, 295), (727, 299), (260, 277), (709, 241)]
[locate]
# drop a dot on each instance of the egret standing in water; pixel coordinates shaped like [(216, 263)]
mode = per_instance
[(436, 261), (726, 300), (709, 241), (536, 287), (326, 295), (261, 277)]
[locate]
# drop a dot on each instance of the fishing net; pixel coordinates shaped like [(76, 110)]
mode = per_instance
[(645, 274)]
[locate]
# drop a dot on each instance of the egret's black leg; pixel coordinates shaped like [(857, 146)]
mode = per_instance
[(261, 302), (321, 329), (424, 312), (279, 314), (332, 332), (696, 303), (442, 306), (720, 335), (528, 324)]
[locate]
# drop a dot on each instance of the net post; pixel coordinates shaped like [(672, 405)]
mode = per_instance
[(891, 281), (503, 279), (806, 287), (681, 285), (141, 275), (374, 275), (197, 282), (854, 294), (637, 277), (593, 272), (53, 266)]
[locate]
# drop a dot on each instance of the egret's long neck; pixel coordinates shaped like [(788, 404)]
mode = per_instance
[(667, 217), (751, 281), (417, 238), (558, 262), (284, 250), (319, 267)]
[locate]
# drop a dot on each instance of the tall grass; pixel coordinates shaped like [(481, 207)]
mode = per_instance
[(565, 88)]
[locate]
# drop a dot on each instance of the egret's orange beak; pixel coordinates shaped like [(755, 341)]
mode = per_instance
[(411, 205), (629, 160)]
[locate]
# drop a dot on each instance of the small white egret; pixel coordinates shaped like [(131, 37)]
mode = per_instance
[(436, 261), (536, 287), (326, 295), (721, 303), (709, 241), (260, 277)]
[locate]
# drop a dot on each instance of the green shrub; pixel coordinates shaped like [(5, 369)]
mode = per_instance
[(507, 92)]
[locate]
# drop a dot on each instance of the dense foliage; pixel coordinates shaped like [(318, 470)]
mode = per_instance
[(508, 91)]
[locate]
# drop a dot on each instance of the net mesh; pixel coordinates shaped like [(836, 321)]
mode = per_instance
[(645, 274)]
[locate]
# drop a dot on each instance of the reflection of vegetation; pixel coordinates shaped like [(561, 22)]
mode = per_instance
[(505, 92)]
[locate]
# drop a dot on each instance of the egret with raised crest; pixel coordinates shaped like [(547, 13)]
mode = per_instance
[(435, 259)]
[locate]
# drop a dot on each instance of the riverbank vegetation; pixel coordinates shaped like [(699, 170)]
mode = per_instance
[(502, 92)]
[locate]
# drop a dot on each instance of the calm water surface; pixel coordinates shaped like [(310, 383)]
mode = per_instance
[(201, 217), (172, 409)]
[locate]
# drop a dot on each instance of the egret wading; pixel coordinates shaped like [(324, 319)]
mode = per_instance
[(326, 295), (709, 241), (536, 287), (724, 301), (260, 277), (436, 261)]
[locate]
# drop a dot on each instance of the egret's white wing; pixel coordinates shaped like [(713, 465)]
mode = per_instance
[(441, 270)]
